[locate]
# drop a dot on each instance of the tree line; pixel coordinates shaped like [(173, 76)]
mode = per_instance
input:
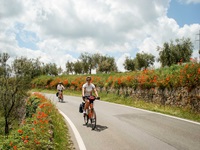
[(87, 62), (174, 52), (170, 53)]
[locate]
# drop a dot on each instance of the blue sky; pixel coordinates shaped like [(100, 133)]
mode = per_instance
[(184, 13), (26, 38), (59, 31)]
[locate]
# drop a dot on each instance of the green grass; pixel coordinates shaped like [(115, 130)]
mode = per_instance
[(128, 101), (63, 141), (1, 125), (174, 111)]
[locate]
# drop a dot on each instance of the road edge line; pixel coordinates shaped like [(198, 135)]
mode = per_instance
[(170, 116), (76, 133)]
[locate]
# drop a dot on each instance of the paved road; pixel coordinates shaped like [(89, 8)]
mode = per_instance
[(125, 128)]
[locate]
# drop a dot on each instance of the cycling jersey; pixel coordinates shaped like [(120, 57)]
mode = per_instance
[(88, 89), (60, 87)]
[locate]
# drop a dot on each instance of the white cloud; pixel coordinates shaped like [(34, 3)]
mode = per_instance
[(62, 28), (120, 61), (10, 8)]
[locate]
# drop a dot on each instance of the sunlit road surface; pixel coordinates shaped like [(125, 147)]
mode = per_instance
[(125, 128)]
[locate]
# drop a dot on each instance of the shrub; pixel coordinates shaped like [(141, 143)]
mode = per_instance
[(39, 128), (187, 75)]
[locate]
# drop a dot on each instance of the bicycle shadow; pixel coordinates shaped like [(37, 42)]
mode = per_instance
[(98, 128), (62, 101)]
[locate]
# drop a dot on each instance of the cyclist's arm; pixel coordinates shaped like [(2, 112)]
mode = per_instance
[(96, 93), (83, 91)]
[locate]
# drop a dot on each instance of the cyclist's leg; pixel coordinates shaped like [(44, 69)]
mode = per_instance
[(91, 110), (61, 95), (87, 102), (91, 106), (58, 95)]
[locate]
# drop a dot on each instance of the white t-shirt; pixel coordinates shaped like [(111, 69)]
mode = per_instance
[(60, 87), (88, 88)]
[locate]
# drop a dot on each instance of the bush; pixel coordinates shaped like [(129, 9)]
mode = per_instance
[(186, 75), (40, 127)]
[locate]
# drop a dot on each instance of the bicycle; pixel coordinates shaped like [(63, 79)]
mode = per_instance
[(90, 112), (60, 96)]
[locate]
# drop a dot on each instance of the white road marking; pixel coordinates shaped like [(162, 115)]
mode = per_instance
[(190, 121), (76, 133)]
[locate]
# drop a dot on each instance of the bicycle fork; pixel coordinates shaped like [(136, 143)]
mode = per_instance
[(90, 112)]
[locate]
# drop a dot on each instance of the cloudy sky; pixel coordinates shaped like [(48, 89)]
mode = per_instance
[(60, 30)]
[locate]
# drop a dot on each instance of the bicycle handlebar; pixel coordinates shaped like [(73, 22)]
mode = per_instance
[(88, 97)]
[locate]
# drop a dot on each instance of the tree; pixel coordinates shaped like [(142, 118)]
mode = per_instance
[(59, 70), (107, 65), (144, 60), (69, 67), (86, 60), (96, 60), (36, 68), (15, 82), (90, 61), (129, 64), (172, 53), (78, 69), (53, 70)]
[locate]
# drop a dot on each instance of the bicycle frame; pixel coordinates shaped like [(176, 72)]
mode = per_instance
[(90, 114), (60, 96), (90, 110)]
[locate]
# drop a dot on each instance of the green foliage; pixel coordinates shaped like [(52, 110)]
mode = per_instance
[(15, 82), (129, 101), (43, 128), (87, 62), (42, 80), (107, 65), (31, 106), (144, 60), (78, 67), (185, 75), (129, 64), (50, 69), (172, 53), (69, 67)]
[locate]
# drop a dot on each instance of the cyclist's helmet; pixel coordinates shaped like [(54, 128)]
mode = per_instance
[(88, 78)]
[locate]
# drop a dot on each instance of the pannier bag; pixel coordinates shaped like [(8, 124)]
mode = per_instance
[(81, 106)]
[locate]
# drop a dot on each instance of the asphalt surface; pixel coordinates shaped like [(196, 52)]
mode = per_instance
[(126, 128)]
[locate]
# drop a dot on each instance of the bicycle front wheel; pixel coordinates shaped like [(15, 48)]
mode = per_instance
[(93, 120), (86, 119)]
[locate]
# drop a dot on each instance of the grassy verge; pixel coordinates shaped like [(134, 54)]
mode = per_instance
[(42, 128), (174, 111), (62, 141)]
